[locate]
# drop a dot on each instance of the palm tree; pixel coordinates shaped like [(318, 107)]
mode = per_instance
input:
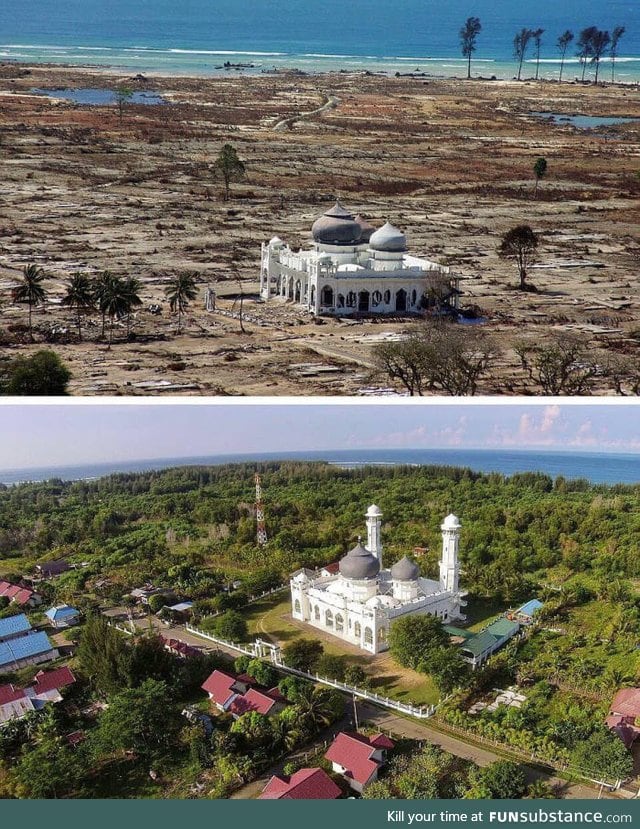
[(563, 42), (102, 288), (132, 287), (537, 38), (613, 49), (313, 711), (80, 295), (180, 292), (30, 291), (114, 301)]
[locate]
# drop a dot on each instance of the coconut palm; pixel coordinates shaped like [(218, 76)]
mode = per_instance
[(80, 295), (132, 287), (102, 288), (30, 290), (180, 292), (114, 301), (313, 711)]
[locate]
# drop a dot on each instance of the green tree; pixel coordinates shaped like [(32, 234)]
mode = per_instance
[(231, 626), (520, 244), (103, 656), (468, 39), (41, 375), (229, 167), (79, 295), (331, 666), (603, 756), (502, 780), (302, 654), (413, 638), (562, 44), (180, 291), (254, 729), (144, 720), (131, 290), (539, 171), (30, 291), (262, 672), (356, 676), (48, 767)]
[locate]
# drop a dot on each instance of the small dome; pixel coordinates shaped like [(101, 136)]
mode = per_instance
[(276, 242), (405, 570), (388, 239), (336, 227), (359, 563), (451, 522), (373, 511), (366, 229)]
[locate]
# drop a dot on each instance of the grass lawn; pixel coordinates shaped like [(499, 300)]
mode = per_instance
[(481, 612), (270, 618)]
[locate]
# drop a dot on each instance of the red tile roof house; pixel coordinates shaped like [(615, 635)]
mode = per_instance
[(19, 595), (16, 702), (358, 758), (236, 695), (305, 784), (624, 715)]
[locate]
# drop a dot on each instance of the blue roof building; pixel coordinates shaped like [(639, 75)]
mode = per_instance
[(62, 616), (14, 626), (26, 650), (529, 609)]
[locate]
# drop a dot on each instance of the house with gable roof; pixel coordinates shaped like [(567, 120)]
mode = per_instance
[(358, 758)]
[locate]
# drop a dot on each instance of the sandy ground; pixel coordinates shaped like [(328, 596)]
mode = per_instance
[(448, 161)]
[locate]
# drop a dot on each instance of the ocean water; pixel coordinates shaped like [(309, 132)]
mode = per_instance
[(198, 36), (599, 468)]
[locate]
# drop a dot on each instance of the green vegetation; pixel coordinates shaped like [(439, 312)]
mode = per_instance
[(42, 374), (191, 531), (433, 774)]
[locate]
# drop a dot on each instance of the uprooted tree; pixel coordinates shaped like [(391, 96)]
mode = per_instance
[(440, 357)]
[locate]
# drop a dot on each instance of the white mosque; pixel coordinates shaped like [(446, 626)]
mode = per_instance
[(353, 268), (361, 601)]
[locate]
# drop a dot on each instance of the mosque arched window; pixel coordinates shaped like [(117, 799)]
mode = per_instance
[(340, 301), (339, 623), (414, 296), (351, 299), (328, 619), (357, 630), (296, 606), (313, 294), (368, 636), (387, 297), (382, 635), (326, 296), (316, 613), (376, 298)]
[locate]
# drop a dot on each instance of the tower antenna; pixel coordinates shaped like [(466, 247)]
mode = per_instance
[(261, 531)]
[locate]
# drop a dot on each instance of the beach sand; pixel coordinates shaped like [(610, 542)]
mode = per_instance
[(448, 161)]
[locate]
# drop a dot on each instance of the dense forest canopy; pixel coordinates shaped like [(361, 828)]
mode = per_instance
[(192, 523)]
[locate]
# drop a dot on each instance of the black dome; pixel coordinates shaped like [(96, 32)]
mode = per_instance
[(359, 563), (336, 227), (405, 570)]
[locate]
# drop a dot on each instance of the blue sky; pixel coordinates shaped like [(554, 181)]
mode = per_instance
[(54, 434)]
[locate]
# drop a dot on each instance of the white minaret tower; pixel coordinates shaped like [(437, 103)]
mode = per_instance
[(449, 563), (374, 526)]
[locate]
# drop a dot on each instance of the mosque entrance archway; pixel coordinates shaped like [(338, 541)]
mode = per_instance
[(401, 300), (363, 301), (297, 292), (313, 295)]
